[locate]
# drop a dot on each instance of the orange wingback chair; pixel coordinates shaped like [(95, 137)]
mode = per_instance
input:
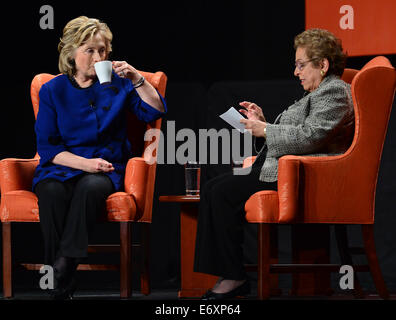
[(337, 190), (19, 203)]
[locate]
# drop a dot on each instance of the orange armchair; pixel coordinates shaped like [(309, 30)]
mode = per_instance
[(337, 190), (19, 204)]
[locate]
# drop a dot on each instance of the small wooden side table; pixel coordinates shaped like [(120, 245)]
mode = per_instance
[(193, 284)]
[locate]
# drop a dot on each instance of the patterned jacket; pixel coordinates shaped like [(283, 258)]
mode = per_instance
[(319, 124)]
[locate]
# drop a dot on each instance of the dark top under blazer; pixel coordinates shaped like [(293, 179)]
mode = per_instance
[(319, 124), (88, 122)]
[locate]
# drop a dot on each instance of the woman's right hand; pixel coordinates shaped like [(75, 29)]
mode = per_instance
[(252, 111), (68, 159), (97, 165)]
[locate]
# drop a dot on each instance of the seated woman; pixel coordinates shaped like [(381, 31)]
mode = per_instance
[(82, 142), (320, 123)]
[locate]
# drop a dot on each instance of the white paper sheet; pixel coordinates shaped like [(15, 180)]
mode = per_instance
[(232, 117)]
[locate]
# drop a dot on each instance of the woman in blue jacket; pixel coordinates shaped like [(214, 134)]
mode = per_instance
[(82, 142)]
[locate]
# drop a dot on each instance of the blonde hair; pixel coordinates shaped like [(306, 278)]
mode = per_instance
[(320, 44), (77, 32)]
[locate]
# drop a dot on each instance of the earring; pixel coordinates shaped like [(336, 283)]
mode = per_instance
[(322, 73)]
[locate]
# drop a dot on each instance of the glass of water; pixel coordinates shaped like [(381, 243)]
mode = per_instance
[(192, 172)]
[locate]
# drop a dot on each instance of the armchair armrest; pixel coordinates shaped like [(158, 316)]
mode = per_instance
[(299, 181), (288, 187), (325, 189), (136, 180), (17, 174)]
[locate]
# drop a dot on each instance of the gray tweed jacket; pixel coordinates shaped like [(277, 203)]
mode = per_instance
[(319, 124)]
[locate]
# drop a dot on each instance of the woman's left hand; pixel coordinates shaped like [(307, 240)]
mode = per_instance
[(145, 90), (125, 70), (252, 111), (256, 127)]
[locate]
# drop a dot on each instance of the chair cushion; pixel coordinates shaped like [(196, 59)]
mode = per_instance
[(263, 207), (19, 206), (22, 206), (121, 207)]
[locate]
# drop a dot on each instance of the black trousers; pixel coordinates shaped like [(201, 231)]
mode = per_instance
[(68, 211), (221, 220)]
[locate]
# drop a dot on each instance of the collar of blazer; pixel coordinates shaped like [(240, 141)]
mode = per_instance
[(307, 94), (326, 80)]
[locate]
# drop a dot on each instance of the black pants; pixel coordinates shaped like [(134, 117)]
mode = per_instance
[(68, 211), (221, 220)]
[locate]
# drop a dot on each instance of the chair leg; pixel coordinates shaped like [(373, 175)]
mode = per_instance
[(274, 277), (7, 260), (145, 271), (125, 260), (369, 245), (346, 259), (263, 283)]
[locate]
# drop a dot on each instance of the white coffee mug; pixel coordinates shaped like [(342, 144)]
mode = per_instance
[(103, 71)]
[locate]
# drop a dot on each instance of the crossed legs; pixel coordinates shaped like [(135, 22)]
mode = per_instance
[(220, 226)]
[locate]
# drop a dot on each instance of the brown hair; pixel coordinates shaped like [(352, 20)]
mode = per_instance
[(320, 44), (76, 33)]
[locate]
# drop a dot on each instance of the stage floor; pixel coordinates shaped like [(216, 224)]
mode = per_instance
[(157, 295)]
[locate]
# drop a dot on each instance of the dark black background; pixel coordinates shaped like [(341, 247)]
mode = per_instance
[(214, 54)]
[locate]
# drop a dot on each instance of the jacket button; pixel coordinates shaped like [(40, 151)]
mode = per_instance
[(92, 104)]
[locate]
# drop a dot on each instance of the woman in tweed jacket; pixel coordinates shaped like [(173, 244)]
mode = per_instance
[(321, 123)]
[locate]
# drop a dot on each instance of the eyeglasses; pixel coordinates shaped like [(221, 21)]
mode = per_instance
[(301, 64)]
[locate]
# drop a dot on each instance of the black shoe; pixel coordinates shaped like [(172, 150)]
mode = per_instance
[(65, 291), (65, 284), (242, 290)]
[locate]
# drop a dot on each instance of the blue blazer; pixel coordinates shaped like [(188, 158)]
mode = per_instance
[(89, 122)]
